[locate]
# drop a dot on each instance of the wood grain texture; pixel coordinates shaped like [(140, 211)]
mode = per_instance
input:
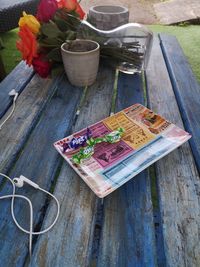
[(177, 177), (128, 237), (186, 89), (38, 161), (17, 79), (75, 226), (130, 91), (28, 108)]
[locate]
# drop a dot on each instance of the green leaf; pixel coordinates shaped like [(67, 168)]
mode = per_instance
[(55, 55), (61, 23), (50, 29), (70, 35), (51, 42), (73, 22), (62, 36)]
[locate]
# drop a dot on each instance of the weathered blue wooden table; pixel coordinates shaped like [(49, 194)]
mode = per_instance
[(153, 220)]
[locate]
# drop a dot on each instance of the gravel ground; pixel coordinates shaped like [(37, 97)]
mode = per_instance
[(141, 11)]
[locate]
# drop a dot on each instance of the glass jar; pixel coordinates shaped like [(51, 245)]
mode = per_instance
[(127, 46)]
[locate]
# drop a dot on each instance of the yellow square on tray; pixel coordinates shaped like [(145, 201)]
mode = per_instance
[(135, 134)]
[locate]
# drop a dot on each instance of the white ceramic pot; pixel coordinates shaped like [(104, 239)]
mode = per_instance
[(108, 17), (81, 61)]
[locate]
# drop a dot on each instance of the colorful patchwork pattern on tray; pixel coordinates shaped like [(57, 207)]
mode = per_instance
[(147, 138)]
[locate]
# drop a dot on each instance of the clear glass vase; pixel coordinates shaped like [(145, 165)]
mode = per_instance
[(127, 46)]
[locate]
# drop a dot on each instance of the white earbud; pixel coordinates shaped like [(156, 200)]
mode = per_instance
[(13, 93), (19, 182)]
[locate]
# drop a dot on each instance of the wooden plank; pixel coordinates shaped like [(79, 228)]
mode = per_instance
[(186, 89), (29, 105), (177, 177), (128, 237), (17, 79), (161, 259), (130, 91), (74, 230), (39, 161)]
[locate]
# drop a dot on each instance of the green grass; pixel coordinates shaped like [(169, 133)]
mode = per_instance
[(11, 56), (188, 37)]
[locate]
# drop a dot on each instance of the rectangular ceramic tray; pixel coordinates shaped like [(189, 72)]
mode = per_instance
[(147, 138)]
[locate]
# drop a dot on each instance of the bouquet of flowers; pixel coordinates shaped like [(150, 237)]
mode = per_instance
[(42, 35), (60, 21)]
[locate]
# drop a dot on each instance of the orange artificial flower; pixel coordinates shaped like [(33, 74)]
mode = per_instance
[(80, 11), (72, 5), (68, 4), (27, 44)]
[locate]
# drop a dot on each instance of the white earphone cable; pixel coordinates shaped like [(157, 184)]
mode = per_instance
[(30, 232), (13, 195), (45, 230), (12, 111)]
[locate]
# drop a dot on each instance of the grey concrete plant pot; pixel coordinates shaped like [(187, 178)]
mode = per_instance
[(108, 17), (81, 61)]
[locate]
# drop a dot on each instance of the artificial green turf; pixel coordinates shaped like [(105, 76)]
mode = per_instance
[(188, 37)]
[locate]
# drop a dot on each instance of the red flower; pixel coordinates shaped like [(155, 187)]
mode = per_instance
[(41, 65), (27, 45), (46, 10), (72, 5)]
